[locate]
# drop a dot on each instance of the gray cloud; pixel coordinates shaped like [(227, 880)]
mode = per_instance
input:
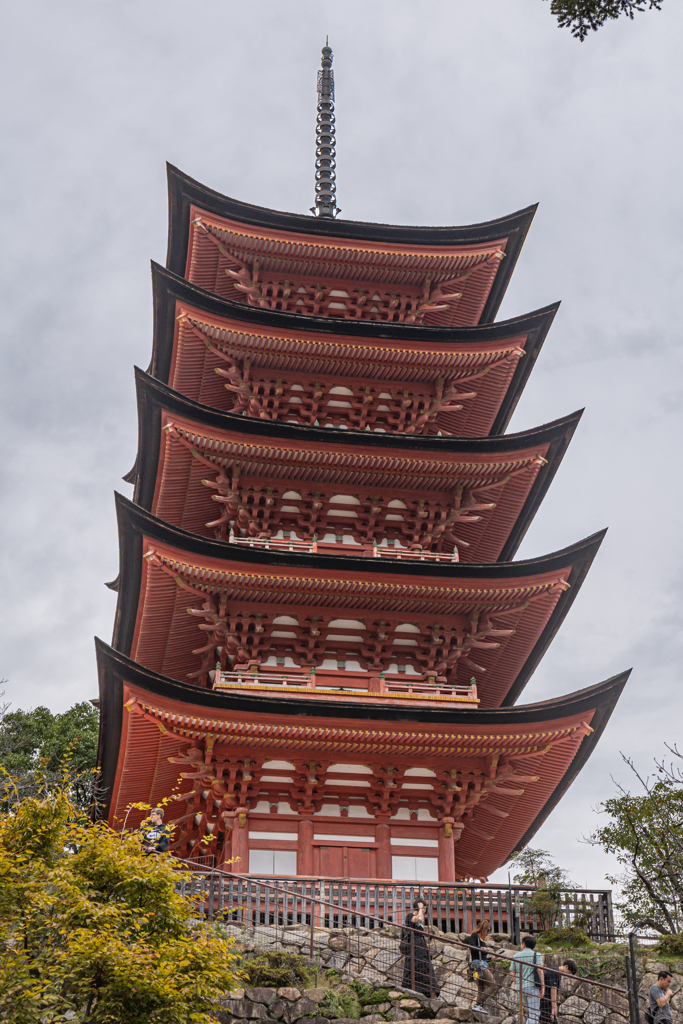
[(449, 112)]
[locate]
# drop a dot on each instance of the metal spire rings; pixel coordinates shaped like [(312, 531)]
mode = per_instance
[(325, 163)]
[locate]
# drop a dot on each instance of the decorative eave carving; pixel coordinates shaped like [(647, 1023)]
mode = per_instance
[(392, 377), (360, 250), (495, 775), (190, 455), (204, 575)]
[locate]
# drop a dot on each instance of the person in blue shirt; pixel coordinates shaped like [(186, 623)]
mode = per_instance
[(526, 967), (553, 979)]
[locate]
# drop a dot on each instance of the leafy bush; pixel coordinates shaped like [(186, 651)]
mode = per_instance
[(276, 970), (566, 938), (342, 1002), (92, 928), (370, 998), (352, 1000), (671, 945)]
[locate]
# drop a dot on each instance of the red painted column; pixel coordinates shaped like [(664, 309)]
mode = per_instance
[(446, 852), (383, 840), (304, 856), (240, 844), (226, 852)]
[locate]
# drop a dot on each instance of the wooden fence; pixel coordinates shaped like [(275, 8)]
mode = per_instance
[(338, 903)]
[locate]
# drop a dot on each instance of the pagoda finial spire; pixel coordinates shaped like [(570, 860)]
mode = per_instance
[(325, 163)]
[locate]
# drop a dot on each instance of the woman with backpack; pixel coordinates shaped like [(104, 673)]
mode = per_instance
[(478, 968), (418, 972)]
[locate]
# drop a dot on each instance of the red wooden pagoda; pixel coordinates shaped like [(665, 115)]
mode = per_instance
[(316, 626)]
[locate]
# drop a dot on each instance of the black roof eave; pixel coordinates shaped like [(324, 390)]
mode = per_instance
[(603, 711), (169, 288), (134, 523), (153, 396), (114, 668), (184, 191)]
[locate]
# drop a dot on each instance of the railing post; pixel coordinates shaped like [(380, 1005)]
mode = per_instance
[(632, 979), (312, 926), (210, 898), (516, 921), (609, 913), (412, 959), (521, 995)]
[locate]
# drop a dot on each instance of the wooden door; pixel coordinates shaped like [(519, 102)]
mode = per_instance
[(360, 862), (332, 861)]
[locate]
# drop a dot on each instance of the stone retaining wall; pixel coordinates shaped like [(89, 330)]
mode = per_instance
[(374, 958)]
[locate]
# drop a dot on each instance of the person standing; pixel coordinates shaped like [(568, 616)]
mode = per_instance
[(526, 968), (418, 972), (156, 836), (552, 981), (551, 977), (479, 964), (659, 998)]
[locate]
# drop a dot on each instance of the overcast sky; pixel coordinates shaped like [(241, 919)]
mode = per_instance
[(448, 112)]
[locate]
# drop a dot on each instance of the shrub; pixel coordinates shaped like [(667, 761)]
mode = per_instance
[(370, 998), (91, 927), (566, 938), (671, 945), (340, 1003), (276, 970)]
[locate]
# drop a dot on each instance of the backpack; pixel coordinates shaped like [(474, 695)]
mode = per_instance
[(473, 971), (537, 976), (474, 965), (652, 1018)]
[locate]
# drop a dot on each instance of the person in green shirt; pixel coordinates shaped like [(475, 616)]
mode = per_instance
[(526, 969)]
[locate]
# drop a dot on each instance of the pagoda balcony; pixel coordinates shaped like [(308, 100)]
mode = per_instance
[(335, 548), (206, 472), (342, 684), (346, 373), (209, 601)]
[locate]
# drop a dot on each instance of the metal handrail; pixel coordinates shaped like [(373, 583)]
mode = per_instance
[(313, 900)]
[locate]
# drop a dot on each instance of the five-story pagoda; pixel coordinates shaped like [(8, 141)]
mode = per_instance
[(320, 627)]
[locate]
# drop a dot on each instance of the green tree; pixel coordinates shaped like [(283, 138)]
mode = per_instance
[(584, 16), (37, 740), (91, 927), (645, 834), (537, 869)]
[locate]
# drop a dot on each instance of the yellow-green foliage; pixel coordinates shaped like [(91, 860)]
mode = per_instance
[(276, 969), (671, 945), (89, 924), (565, 938)]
